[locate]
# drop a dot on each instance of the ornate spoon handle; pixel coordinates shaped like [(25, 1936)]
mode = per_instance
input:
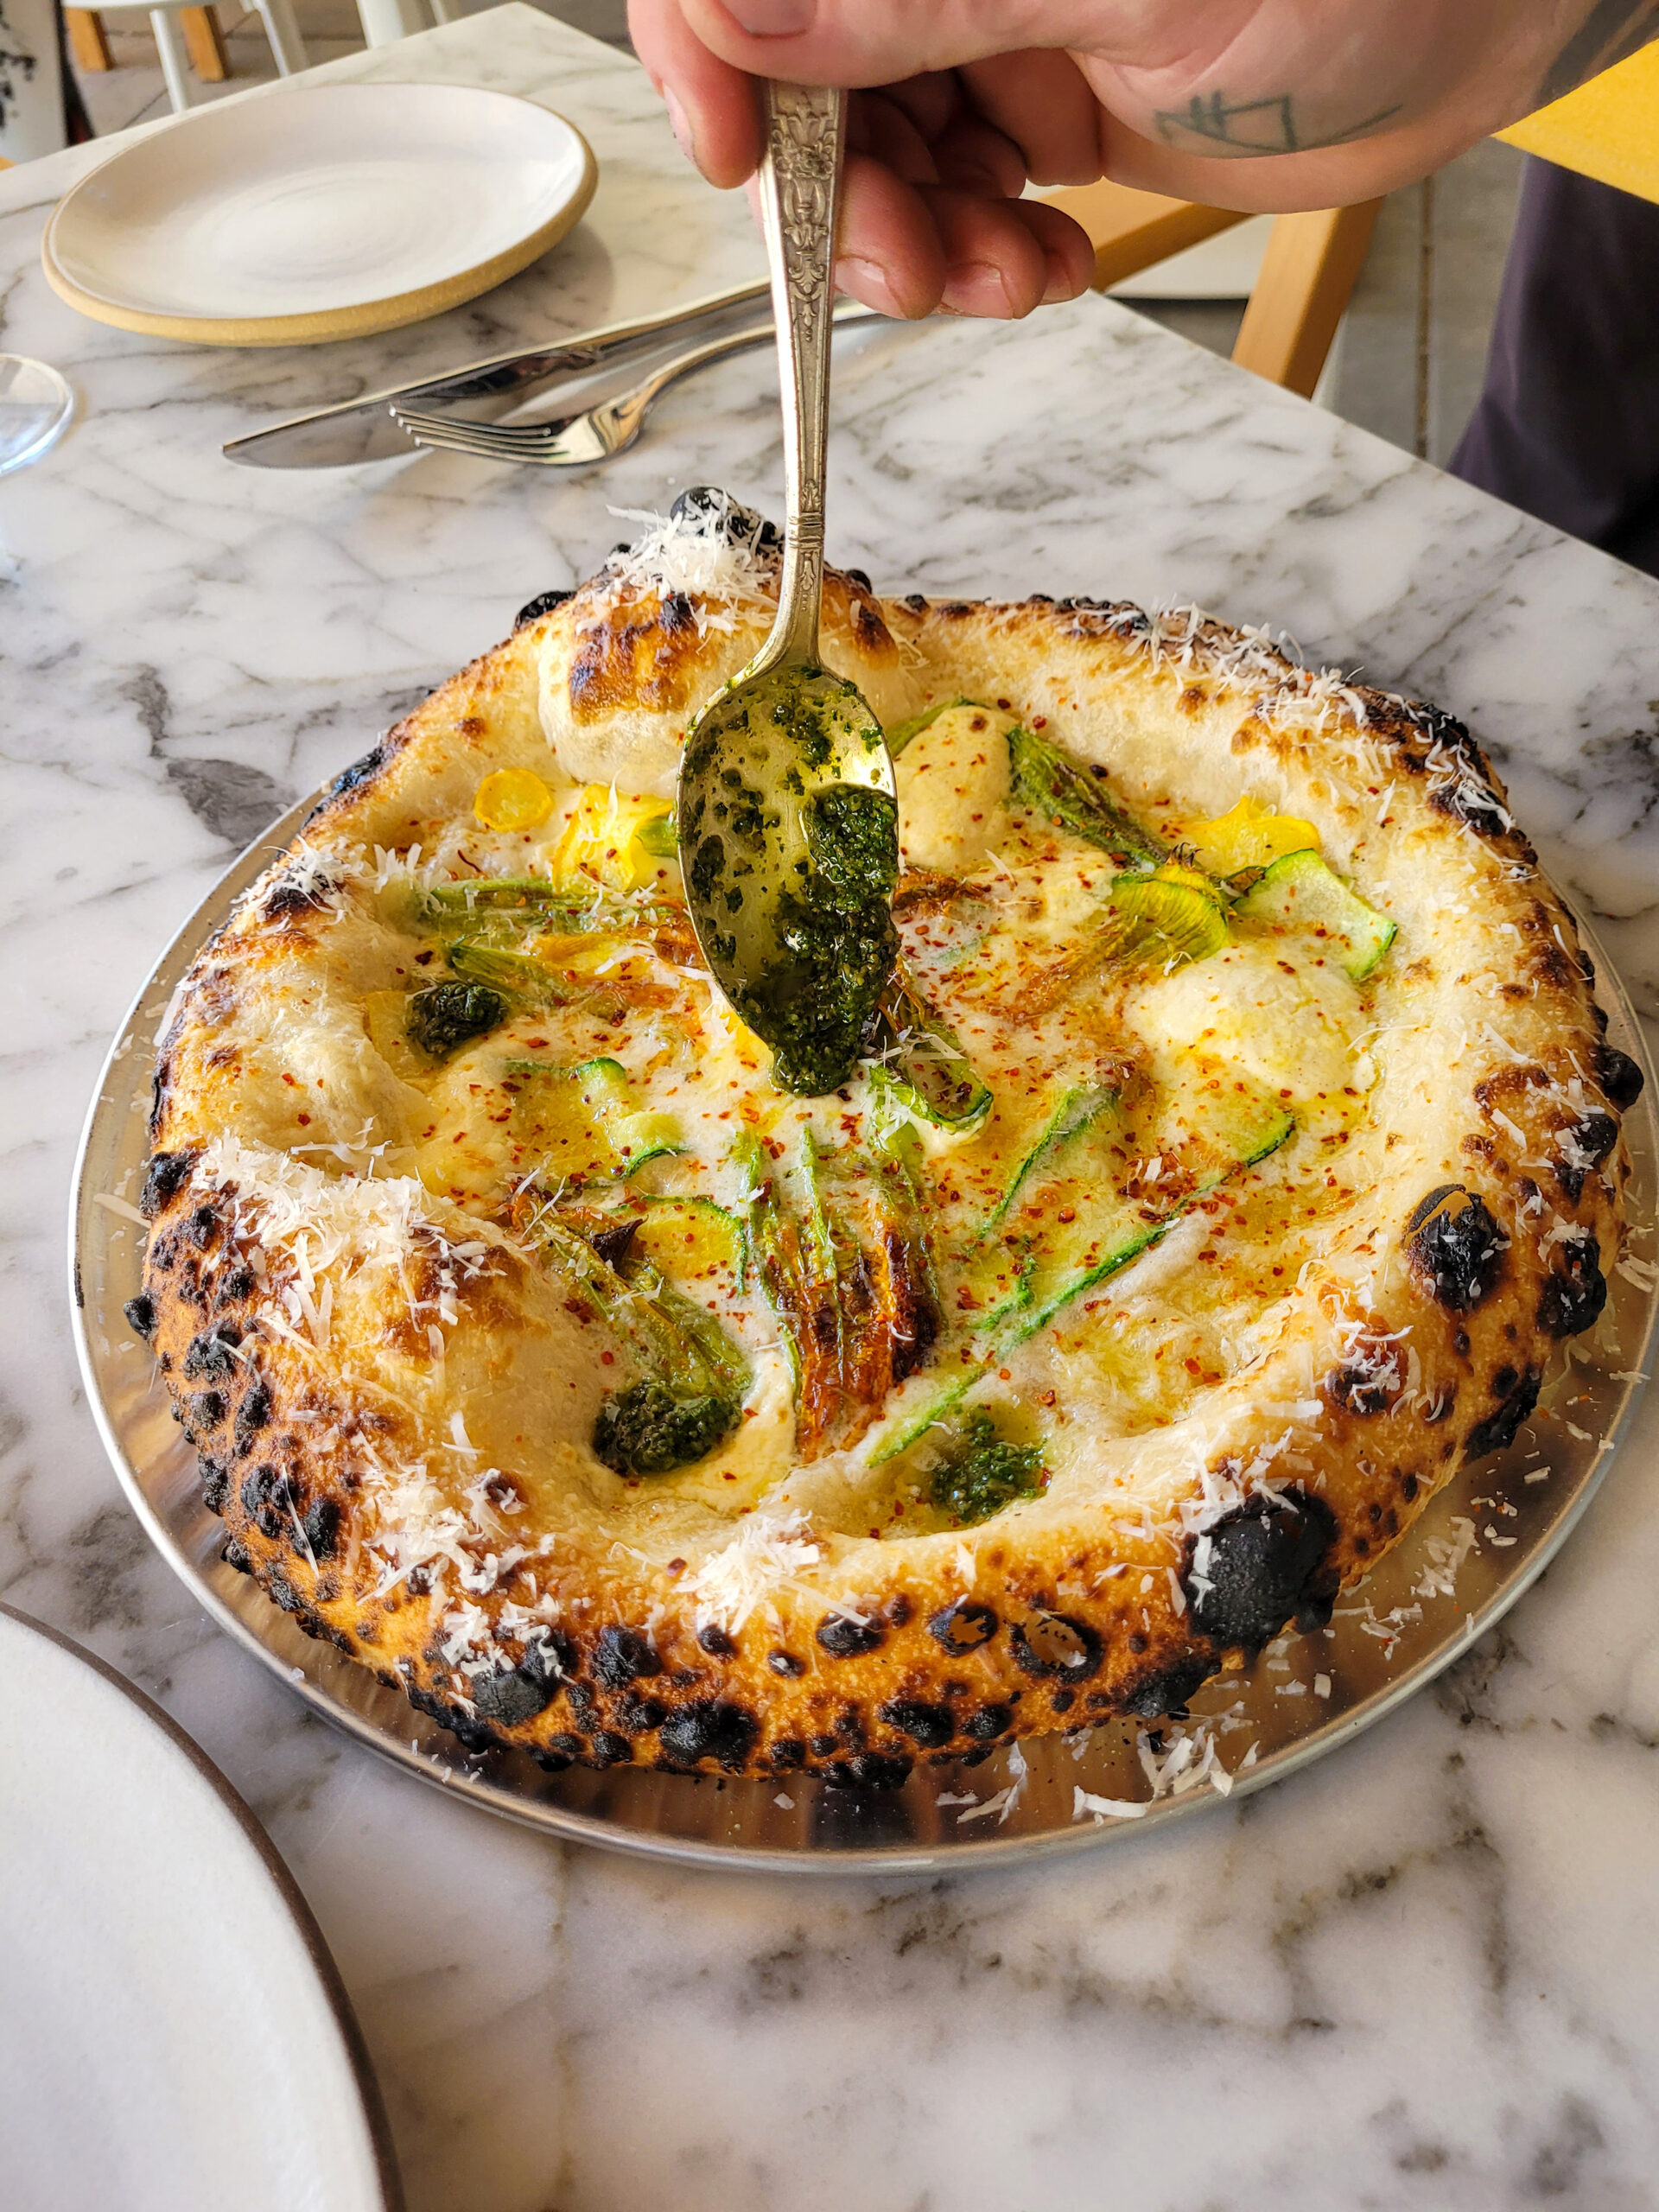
[(800, 201)]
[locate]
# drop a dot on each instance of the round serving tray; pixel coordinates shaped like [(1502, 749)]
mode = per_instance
[(1482, 1541)]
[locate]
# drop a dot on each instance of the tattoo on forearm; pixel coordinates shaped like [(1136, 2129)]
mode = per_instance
[(1266, 126), (1612, 31)]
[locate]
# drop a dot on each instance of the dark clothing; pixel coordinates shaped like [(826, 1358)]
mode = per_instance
[(1568, 424)]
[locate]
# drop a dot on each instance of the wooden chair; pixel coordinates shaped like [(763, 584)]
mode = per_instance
[(204, 41), (203, 45), (1308, 276)]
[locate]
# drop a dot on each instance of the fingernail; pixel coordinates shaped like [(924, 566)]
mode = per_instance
[(678, 122), (869, 281), (772, 18), (978, 288), (1061, 284)]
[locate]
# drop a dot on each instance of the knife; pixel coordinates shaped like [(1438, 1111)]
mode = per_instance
[(366, 429)]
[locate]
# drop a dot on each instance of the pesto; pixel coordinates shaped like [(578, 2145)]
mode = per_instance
[(646, 1430), (983, 1472), (446, 1016)]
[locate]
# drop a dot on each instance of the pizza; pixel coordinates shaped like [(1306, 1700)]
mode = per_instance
[(1236, 1146)]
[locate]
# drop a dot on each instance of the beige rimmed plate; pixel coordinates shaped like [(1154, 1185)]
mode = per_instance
[(1479, 1545), (326, 211)]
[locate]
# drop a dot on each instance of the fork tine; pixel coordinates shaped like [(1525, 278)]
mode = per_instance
[(458, 433)]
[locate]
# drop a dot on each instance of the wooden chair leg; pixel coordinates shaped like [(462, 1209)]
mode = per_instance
[(203, 42), (87, 41), (1130, 229), (1308, 273)]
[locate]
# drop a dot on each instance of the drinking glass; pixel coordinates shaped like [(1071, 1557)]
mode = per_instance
[(35, 405)]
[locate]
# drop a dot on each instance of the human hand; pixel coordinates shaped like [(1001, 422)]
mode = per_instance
[(1251, 104)]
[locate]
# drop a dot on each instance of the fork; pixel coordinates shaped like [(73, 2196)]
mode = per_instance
[(575, 440)]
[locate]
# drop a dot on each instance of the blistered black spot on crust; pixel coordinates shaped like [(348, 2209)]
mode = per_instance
[(197, 1416), (715, 1642), (1051, 1645), (544, 603), (869, 1770), (167, 1173), (1620, 1079), (140, 1315), (1583, 1148), (215, 1482), (785, 1663), (360, 773), (1456, 1247), (727, 519), (929, 1725), (1576, 1291), (211, 1353), (252, 1414), (1499, 1429), (509, 1696), (1262, 1565), (709, 1728), (989, 1721), (844, 1638), (622, 1656), (1367, 1385), (321, 1527), (963, 1626), (1424, 1207)]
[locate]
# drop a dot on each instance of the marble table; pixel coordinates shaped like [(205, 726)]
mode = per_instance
[(1420, 1974)]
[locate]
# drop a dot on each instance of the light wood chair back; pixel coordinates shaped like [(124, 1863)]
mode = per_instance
[(1307, 274)]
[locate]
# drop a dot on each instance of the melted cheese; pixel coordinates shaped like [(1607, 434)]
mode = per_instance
[(952, 781)]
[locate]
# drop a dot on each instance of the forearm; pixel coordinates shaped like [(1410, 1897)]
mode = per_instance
[(1308, 102), (1311, 105)]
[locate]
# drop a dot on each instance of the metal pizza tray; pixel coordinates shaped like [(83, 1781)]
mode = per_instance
[(1481, 1542)]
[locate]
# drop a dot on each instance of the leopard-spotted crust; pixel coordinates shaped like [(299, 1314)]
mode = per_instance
[(1478, 1237)]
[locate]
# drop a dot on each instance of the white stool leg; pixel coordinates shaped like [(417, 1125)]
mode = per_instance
[(385, 21), (169, 45), (444, 12), (283, 32)]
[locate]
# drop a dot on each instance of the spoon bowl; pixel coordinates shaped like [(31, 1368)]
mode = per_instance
[(790, 840)]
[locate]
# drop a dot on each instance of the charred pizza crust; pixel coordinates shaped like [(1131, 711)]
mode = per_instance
[(1479, 1238)]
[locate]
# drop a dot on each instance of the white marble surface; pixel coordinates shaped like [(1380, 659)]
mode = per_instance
[(1420, 1975)]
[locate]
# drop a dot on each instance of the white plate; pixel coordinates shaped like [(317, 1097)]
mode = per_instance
[(174, 2036), (324, 212)]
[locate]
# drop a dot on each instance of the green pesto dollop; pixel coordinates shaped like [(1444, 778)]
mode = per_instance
[(983, 1472), (647, 1429), (444, 1017)]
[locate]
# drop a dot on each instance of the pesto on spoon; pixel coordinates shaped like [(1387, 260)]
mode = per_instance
[(788, 824)]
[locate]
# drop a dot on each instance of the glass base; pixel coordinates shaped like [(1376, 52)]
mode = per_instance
[(35, 405)]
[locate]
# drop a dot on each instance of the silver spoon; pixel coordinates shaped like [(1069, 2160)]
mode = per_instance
[(788, 823)]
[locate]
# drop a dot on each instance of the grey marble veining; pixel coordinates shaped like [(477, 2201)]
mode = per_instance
[(1417, 1979)]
